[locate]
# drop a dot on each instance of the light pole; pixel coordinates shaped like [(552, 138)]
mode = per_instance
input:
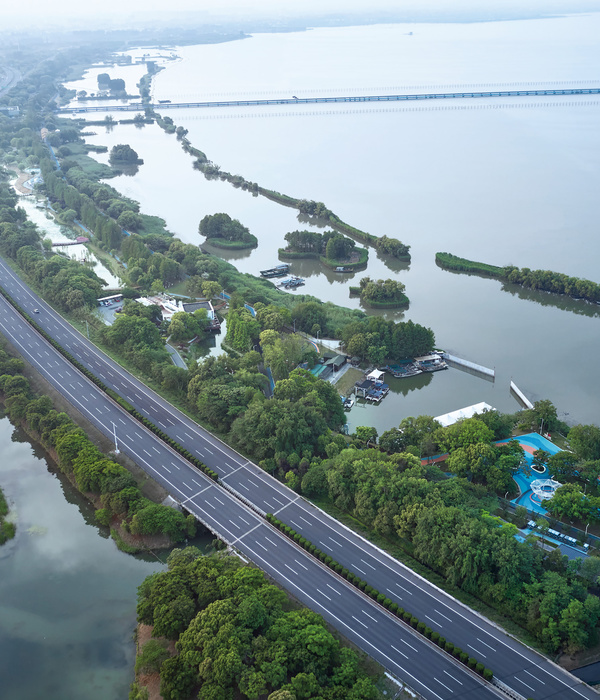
[(586, 529), (115, 436)]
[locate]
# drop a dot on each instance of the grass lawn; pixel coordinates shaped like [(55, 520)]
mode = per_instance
[(344, 384)]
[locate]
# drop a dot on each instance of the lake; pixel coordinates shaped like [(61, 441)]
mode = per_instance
[(502, 181)]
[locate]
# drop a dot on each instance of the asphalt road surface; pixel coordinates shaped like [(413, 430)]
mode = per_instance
[(527, 673)]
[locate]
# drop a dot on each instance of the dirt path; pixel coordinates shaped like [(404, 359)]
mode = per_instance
[(22, 178)]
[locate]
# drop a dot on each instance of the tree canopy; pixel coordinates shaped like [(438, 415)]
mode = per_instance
[(236, 635)]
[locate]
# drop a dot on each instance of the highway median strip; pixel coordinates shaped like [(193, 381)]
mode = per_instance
[(382, 599), (326, 559), (113, 394)]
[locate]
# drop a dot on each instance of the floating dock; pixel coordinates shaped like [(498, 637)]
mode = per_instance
[(459, 362)]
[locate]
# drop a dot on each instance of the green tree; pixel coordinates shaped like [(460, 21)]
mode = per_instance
[(585, 440), (129, 221), (151, 657)]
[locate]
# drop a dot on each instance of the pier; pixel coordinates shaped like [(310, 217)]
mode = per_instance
[(477, 94), (520, 395), (459, 362)]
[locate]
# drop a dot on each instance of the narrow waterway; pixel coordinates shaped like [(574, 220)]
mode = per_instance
[(50, 229)]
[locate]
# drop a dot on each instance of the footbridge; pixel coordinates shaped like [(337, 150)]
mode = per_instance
[(137, 106)]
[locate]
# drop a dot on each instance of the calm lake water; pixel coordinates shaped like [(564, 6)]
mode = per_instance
[(67, 594), (505, 181)]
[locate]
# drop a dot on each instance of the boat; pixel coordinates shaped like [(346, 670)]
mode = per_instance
[(292, 283), (431, 363), (277, 271), (409, 369), (347, 402)]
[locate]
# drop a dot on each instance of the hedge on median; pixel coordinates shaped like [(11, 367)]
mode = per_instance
[(382, 599), (113, 394)]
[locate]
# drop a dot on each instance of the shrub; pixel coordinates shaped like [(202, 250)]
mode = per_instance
[(381, 598), (471, 662), (369, 590), (406, 616), (449, 647), (428, 632), (362, 585), (488, 674), (104, 516), (480, 668), (414, 622), (394, 608), (441, 642), (387, 603)]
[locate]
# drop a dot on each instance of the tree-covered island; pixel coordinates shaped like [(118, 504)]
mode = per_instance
[(222, 231)]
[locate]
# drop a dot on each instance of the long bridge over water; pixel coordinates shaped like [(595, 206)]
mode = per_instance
[(137, 106)]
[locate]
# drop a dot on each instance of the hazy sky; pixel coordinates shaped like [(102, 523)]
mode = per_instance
[(124, 12)]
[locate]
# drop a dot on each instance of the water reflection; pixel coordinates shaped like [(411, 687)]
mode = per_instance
[(558, 301), (227, 253), (539, 296), (127, 169)]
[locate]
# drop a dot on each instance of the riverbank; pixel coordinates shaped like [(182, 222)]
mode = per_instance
[(66, 436), (357, 261), (7, 528), (21, 179), (233, 245)]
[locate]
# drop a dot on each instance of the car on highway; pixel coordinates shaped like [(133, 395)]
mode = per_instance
[(36, 311)]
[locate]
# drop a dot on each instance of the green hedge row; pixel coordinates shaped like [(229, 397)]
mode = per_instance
[(113, 395), (382, 599), (453, 262)]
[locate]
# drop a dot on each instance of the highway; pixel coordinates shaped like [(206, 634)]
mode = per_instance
[(397, 647), (523, 670)]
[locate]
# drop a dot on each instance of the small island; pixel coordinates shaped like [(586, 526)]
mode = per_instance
[(381, 294), (123, 154), (335, 251), (221, 231)]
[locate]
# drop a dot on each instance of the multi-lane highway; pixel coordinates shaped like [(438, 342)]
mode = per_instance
[(523, 670)]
